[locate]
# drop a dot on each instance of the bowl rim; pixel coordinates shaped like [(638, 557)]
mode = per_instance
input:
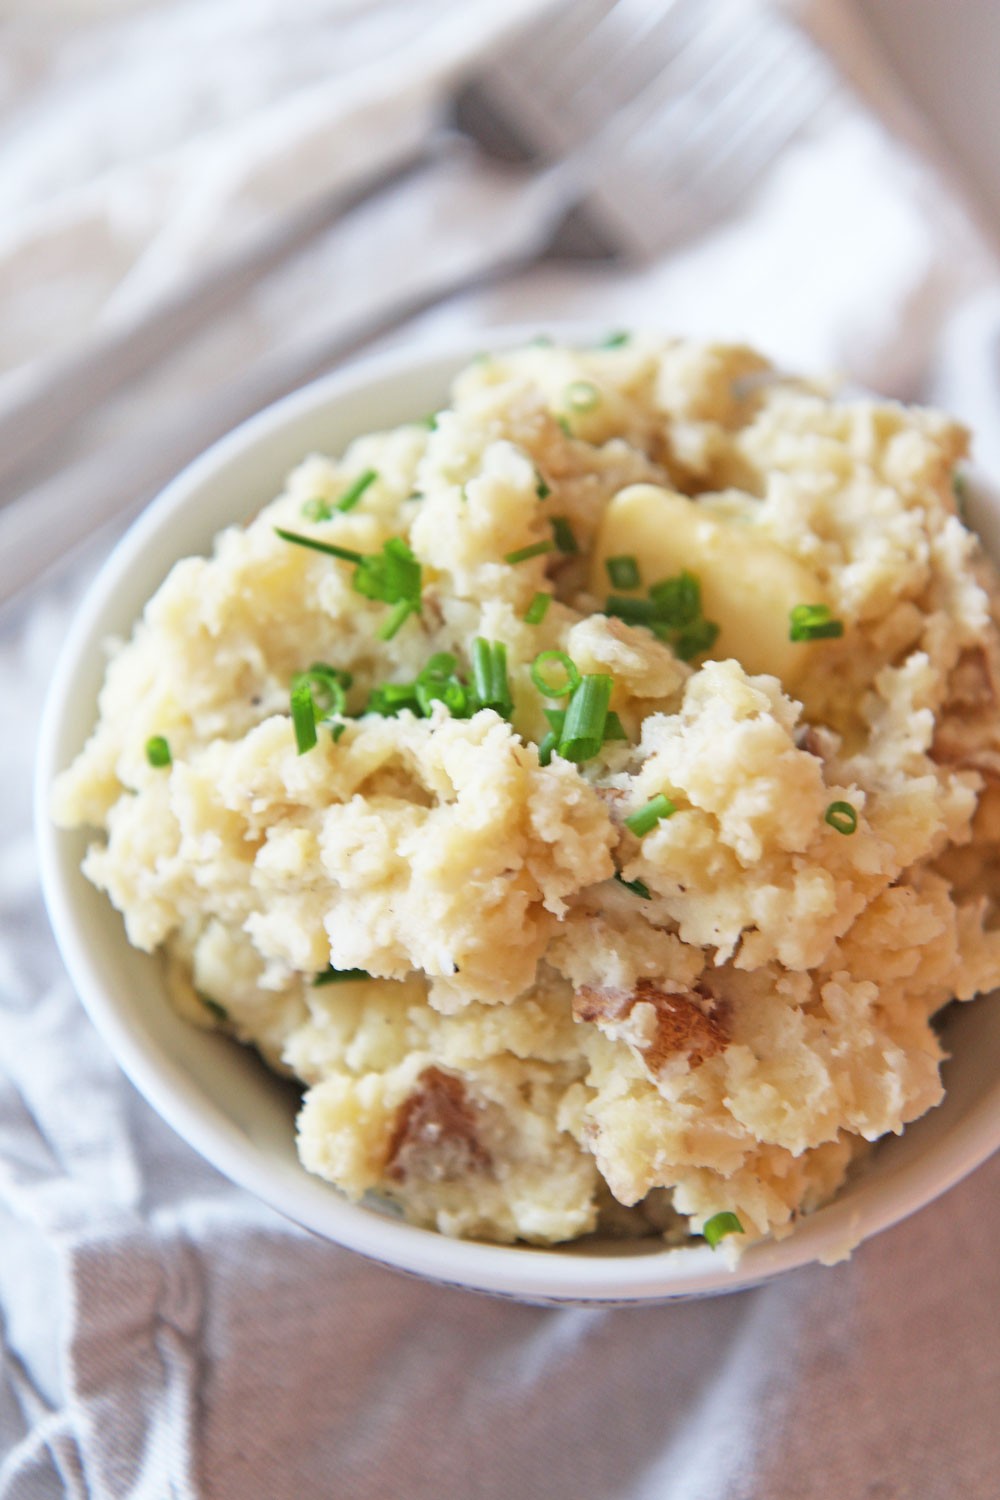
[(555, 1275)]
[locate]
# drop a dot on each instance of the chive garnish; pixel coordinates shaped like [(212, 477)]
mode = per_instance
[(563, 533), (546, 747), (583, 729), (623, 572), (841, 816), (633, 611), (564, 427), (523, 553), (813, 622), (614, 729), (344, 553), (719, 1225), (489, 675), (158, 752), (545, 684), (316, 509), (672, 612), (542, 490), (339, 976), (699, 637), (401, 612), (960, 489), (537, 609), (353, 493), (582, 396), (303, 716), (615, 340), (647, 817), (336, 731), (677, 600), (637, 887)]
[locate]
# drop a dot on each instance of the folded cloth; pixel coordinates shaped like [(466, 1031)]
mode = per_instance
[(161, 1332)]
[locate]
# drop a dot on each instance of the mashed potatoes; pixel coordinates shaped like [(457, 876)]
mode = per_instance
[(658, 933)]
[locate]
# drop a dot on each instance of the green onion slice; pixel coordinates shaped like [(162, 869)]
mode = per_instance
[(317, 509), (489, 675), (677, 600), (326, 684), (719, 1225), (699, 637), (637, 887), (582, 395), (303, 716), (545, 684), (615, 340), (353, 493), (523, 553), (563, 533), (344, 553), (614, 729), (339, 976), (841, 816), (634, 611), (586, 717), (537, 609), (158, 751), (647, 817), (546, 747), (401, 612), (623, 572), (542, 490), (813, 622)]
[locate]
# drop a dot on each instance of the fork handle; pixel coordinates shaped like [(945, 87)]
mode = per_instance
[(69, 387), (43, 526)]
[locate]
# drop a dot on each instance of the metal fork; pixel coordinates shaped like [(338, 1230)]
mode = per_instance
[(654, 118)]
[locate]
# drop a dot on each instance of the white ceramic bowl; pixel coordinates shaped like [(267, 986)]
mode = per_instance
[(220, 1098)]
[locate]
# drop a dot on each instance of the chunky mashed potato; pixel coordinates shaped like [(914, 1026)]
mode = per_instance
[(517, 1009)]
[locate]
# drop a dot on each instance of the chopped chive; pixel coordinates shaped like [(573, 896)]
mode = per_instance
[(623, 572), (353, 493), (583, 728), (213, 1007), (489, 675), (339, 976), (303, 716), (813, 622), (523, 553), (699, 637), (615, 340), (582, 396), (677, 600), (430, 421), (537, 609), (841, 816), (719, 1225), (158, 751), (647, 817), (960, 489), (542, 490), (317, 509), (394, 576), (564, 426), (545, 684), (563, 533), (336, 731), (344, 553), (634, 611), (326, 686), (637, 887), (398, 617), (614, 729), (546, 747)]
